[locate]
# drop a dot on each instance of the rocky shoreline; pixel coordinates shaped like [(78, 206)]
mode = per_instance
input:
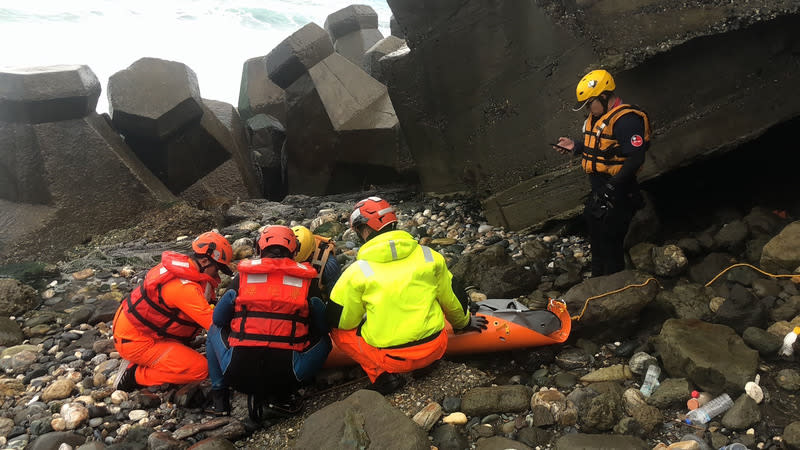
[(58, 360)]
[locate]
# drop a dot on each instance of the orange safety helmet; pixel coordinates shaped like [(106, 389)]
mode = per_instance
[(216, 247), (375, 212), (278, 235)]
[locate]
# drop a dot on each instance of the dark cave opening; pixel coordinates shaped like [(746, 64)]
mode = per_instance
[(762, 172)]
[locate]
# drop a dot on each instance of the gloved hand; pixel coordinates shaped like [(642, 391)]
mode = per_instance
[(476, 323)]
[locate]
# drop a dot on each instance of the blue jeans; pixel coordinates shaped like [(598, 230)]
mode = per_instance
[(304, 364)]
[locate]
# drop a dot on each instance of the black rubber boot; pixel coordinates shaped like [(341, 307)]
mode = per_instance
[(220, 402), (126, 378), (386, 383)]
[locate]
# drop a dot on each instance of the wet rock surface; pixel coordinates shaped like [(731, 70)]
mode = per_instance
[(58, 361)]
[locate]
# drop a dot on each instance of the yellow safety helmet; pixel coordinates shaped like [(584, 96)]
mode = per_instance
[(306, 239), (593, 84)]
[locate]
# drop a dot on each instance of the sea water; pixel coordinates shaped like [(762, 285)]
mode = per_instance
[(213, 37)]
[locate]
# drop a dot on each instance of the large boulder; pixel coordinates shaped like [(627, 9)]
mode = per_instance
[(614, 308), (712, 356), (600, 442), (296, 54), (478, 71), (70, 180), (153, 99), (10, 332), (494, 273), (342, 131), (258, 94), (16, 298), (364, 419), (782, 253), (47, 94)]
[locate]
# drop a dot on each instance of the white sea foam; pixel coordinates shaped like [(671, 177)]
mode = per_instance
[(213, 37)]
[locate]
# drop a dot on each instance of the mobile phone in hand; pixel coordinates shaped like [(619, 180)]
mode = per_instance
[(561, 147)]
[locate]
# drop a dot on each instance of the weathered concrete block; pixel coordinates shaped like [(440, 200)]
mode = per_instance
[(258, 94), (154, 99), (47, 94), (267, 138), (230, 119), (349, 19), (395, 28), (340, 121), (370, 62), (189, 155), (74, 179), (353, 45), (298, 53), (352, 99)]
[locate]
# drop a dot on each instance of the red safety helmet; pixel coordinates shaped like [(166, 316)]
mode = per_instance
[(375, 212), (278, 235), (216, 247)]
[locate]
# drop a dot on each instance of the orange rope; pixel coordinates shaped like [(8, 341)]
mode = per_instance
[(586, 303), (754, 268), (794, 277)]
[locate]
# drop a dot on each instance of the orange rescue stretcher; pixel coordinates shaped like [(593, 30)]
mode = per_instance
[(511, 326)]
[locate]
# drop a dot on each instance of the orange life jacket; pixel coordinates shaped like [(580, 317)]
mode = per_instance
[(271, 309), (600, 154), (145, 307)]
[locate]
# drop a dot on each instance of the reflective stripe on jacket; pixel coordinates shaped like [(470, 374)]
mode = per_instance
[(271, 309), (401, 289), (600, 153), (145, 307)]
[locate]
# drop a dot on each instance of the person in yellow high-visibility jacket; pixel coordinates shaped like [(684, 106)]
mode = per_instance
[(388, 309)]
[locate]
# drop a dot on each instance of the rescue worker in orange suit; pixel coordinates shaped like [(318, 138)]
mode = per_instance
[(616, 137), (387, 311), (268, 338), (319, 252), (156, 322)]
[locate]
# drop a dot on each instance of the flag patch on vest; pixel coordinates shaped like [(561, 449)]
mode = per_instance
[(636, 140)]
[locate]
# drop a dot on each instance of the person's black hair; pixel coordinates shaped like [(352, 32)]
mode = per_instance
[(373, 233), (275, 251)]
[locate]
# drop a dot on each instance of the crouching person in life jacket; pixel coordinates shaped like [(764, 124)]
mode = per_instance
[(158, 319), (318, 251), (387, 311), (269, 337)]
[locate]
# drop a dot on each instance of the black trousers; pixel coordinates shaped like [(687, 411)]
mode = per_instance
[(607, 228)]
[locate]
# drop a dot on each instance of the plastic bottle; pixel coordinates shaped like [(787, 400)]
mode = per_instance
[(713, 408), (651, 380), (788, 342), (698, 399)]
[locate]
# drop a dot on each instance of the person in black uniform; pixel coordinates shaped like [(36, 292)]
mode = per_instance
[(615, 139)]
